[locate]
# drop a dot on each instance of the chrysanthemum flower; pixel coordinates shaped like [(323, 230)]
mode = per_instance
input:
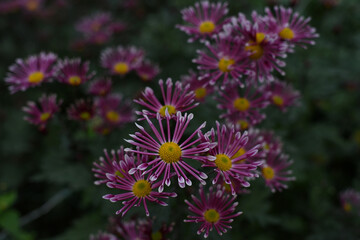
[(291, 27), (179, 100), (73, 71), (215, 209), (281, 95), (81, 110), (147, 71), (129, 230), (120, 60), (169, 150), (40, 115), (206, 19), (350, 201), (30, 72), (223, 158), (274, 171), (137, 187), (31, 5), (271, 143), (201, 87), (100, 87)]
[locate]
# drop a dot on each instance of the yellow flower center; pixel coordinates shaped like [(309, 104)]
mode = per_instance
[(105, 131), (206, 27), (347, 207), (32, 5), (277, 100), (144, 77), (223, 162), (171, 109), (255, 47), (241, 104), (287, 33), (141, 188), (45, 116), (268, 173), (170, 152), (211, 215), (113, 116), (266, 146), (119, 174), (239, 153), (243, 124), (156, 236), (85, 115), (75, 80), (225, 63), (200, 93), (95, 26), (36, 77), (227, 187), (121, 68)]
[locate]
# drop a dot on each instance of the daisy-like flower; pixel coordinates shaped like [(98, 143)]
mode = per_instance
[(350, 201), (281, 95), (275, 172), (215, 209), (31, 5), (40, 115), (201, 87), (100, 87), (81, 110), (120, 60), (30, 72), (169, 151), (96, 27), (179, 100), (147, 71), (229, 60), (73, 71), (291, 27), (206, 19), (271, 143), (243, 104), (137, 187)]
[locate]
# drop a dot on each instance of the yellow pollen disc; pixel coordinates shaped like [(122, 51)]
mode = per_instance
[(347, 207), (277, 100), (36, 77), (95, 26), (211, 215), (266, 146), (287, 33), (206, 27), (227, 187), (113, 116), (85, 115), (105, 131), (144, 77), (256, 49), (75, 80), (32, 5), (268, 173), (171, 109), (119, 174), (170, 152), (223, 162), (239, 153), (45, 116), (243, 124), (141, 188), (200, 93), (156, 236), (241, 104), (225, 63), (121, 68), (260, 37)]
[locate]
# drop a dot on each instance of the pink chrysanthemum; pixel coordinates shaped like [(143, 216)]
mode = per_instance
[(179, 100), (100, 87), (271, 143), (81, 110), (281, 95), (137, 188), (291, 27), (30, 72), (73, 71), (215, 209), (350, 201), (41, 115), (274, 171), (95, 25), (223, 158), (201, 87), (170, 152), (206, 19), (147, 71), (120, 60)]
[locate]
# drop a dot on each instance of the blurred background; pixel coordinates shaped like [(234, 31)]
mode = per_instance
[(46, 183)]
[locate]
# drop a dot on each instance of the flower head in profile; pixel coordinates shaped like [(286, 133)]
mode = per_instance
[(30, 72), (215, 209), (73, 71), (201, 88), (205, 20), (147, 71), (179, 99), (170, 150), (42, 113), (120, 60), (350, 201), (136, 188), (81, 110), (100, 87), (281, 94)]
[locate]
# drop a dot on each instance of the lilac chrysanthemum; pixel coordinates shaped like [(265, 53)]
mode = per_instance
[(350, 201), (179, 100), (81, 110), (281, 95), (169, 151), (206, 19), (73, 71), (147, 71), (137, 187), (100, 87), (30, 72), (223, 157), (201, 88), (41, 115), (215, 209)]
